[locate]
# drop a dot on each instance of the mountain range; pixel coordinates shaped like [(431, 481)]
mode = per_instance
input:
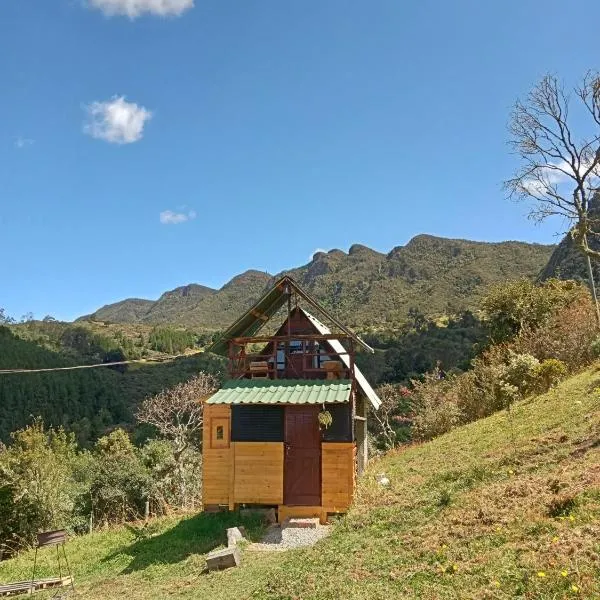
[(362, 286)]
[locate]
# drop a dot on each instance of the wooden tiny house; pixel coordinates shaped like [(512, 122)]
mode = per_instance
[(267, 440)]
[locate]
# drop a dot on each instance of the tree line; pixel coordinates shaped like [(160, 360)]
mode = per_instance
[(48, 481)]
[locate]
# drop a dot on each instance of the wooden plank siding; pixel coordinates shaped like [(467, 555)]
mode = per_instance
[(216, 455), (337, 475), (258, 476)]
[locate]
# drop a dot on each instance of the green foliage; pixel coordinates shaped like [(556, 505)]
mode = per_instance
[(87, 401), (119, 484), (437, 409), (170, 340), (514, 306), (429, 276), (408, 353), (549, 373), (47, 482), (557, 340), (519, 371), (595, 347), (37, 491)]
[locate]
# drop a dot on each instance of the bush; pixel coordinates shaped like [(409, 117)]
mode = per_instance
[(512, 307), (36, 492), (119, 482), (595, 347), (436, 407), (548, 373), (519, 372), (567, 336)]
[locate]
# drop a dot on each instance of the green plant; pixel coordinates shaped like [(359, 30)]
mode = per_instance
[(549, 373), (436, 406), (595, 347), (325, 419)]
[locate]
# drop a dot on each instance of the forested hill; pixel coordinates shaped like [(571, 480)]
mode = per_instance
[(87, 401), (362, 286)]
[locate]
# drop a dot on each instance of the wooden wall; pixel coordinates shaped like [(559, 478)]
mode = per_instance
[(337, 476), (238, 472), (216, 454), (252, 472), (258, 477)]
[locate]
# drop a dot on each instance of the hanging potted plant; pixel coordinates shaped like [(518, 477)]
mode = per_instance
[(325, 418)]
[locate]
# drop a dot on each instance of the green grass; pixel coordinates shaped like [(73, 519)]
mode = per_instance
[(499, 508)]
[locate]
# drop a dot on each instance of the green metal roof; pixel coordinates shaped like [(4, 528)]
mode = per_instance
[(284, 391)]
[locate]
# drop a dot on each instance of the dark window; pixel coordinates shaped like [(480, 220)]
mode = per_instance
[(220, 432), (257, 423), (340, 429)]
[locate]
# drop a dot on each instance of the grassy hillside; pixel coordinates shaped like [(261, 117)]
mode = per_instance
[(501, 508), (363, 287)]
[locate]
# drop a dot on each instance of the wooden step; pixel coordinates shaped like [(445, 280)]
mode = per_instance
[(285, 512), (297, 523)]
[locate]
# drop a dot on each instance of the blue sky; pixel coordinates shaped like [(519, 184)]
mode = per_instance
[(146, 144)]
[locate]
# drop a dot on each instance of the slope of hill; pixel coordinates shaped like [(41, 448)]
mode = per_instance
[(501, 508), (363, 287), (87, 401), (567, 262)]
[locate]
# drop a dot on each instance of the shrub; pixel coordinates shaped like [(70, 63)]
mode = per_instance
[(567, 336), (119, 482), (436, 407), (548, 373), (477, 391), (515, 306), (595, 347), (519, 372), (37, 492)]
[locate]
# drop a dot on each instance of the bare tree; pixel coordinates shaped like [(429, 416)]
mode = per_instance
[(177, 414), (392, 399), (559, 169)]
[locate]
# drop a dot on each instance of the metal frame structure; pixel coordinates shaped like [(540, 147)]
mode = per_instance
[(58, 539)]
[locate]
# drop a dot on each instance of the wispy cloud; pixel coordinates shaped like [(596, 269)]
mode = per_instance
[(136, 8), (116, 120), (170, 217), (21, 142), (554, 175)]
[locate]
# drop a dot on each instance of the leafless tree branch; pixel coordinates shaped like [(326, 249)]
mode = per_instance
[(559, 172)]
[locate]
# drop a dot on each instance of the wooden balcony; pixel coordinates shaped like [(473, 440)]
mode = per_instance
[(290, 357)]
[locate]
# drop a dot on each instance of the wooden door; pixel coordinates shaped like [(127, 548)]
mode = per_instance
[(302, 465)]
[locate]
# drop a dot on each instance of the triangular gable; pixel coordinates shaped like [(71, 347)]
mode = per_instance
[(254, 319), (337, 347)]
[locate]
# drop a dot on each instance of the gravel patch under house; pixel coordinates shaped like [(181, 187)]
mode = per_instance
[(279, 538)]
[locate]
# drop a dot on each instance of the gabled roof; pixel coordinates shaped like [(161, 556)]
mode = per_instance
[(337, 346), (255, 318), (282, 391)]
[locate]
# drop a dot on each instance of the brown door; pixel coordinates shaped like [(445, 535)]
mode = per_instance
[(302, 468)]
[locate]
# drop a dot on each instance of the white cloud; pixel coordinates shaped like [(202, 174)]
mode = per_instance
[(136, 8), (116, 120), (312, 254), (170, 217), (547, 177), (21, 142)]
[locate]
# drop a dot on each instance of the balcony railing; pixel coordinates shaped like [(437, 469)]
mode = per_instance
[(290, 357)]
